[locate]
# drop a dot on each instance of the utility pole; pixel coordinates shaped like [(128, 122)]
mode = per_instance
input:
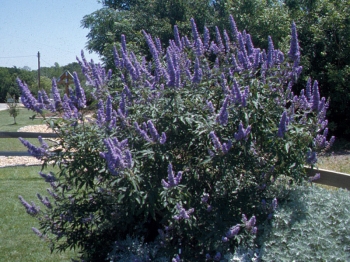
[(38, 70)]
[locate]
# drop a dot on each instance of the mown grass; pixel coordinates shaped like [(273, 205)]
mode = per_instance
[(337, 159), (7, 125), (17, 241)]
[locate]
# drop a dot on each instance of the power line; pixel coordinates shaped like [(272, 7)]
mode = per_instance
[(16, 56)]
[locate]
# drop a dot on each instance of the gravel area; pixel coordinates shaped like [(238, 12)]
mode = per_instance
[(24, 160)]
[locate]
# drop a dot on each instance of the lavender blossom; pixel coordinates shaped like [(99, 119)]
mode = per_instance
[(294, 53), (162, 139), (27, 98), (37, 232), (219, 40), (31, 209), (222, 117), (282, 128), (79, 92), (197, 76), (183, 213), (210, 106), (242, 133), (315, 96), (315, 177), (173, 181), (206, 38), (37, 152), (141, 132), (217, 256), (233, 231), (311, 157), (177, 37), (153, 131), (234, 30), (250, 223), (270, 53), (45, 201), (48, 177), (118, 156), (216, 141)]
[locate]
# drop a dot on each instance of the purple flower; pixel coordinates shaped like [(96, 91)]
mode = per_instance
[(242, 133), (177, 37), (216, 141), (162, 139), (282, 128), (315, 96), (37, 232), (222, 117), (173, 181), (250, 223), (294, 53), (79, 92), (233, 231), (153, 131), (311, 157), (234, 30), (219, 39), (45, 201), (37, 152), (48, 177), (206, 38), (315, 177), (197, 76), (27, 98), (183, 213), (118, 157), (31, 209), (217, 256), (270, 53)]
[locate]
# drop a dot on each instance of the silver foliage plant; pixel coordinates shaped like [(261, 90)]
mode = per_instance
[(219, 111)]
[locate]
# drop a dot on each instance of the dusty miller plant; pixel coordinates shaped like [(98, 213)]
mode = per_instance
[(184, 149)]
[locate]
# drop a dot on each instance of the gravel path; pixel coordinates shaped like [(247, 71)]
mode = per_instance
[(24, 160)]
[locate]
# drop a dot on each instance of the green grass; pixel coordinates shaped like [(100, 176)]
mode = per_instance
[(17, 241), (6, 125)]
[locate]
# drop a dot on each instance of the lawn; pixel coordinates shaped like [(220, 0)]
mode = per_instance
[(6, 125), (17, 241)]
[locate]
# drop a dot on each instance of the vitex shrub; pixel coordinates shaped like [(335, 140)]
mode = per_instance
[(182, 149)]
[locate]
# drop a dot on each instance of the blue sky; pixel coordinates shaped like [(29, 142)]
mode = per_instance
[(52, 27)]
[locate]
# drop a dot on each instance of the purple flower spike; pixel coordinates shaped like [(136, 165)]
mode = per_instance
[(153, 131), (79, 92), (31, 209), (250, 223), (222, 117), (283, 125), (197, 76), (37, 232), (162, 139), (311, 157), (183, 213), (242, 133), (234, 30), (37, 152), (216, 141), (173, 181), (294, 53), (217, 256), (233, 231), (315, 177)]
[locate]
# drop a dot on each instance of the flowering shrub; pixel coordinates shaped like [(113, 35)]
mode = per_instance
[(184, 149)]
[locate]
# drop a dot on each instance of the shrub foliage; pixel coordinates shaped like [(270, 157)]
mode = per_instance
[(181, 150)]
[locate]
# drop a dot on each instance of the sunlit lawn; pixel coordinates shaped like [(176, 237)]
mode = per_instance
[(17, 240)]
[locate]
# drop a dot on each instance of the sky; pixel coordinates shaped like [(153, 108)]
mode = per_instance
[(51, 27)]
